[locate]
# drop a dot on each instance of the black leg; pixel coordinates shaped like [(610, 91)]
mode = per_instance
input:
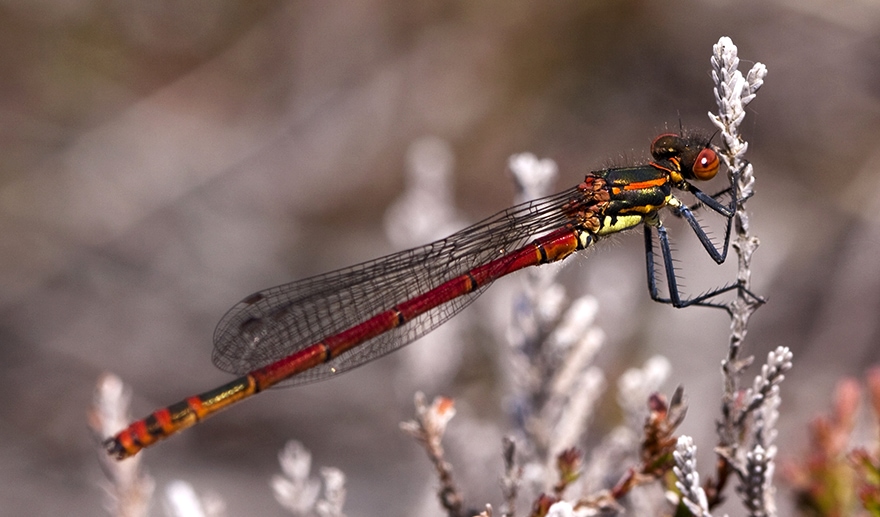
[(717, 254), (675, 299), (712, 201)]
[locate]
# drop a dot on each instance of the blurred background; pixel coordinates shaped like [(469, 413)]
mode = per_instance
[(162, 160)]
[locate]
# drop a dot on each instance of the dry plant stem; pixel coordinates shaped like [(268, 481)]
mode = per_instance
[(512, 476), (732, 93), (631, 479), (428, 429), (448, 493), (449, 496)]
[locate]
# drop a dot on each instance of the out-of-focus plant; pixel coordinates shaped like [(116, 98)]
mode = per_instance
[(832, 478)]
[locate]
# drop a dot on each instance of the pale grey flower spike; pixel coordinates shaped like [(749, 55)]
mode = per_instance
[(692, 494)]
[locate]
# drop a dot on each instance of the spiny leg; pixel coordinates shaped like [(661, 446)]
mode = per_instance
[(674, 298), (719, 255)]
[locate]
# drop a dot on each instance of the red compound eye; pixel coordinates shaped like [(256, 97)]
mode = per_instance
[(706, 165)]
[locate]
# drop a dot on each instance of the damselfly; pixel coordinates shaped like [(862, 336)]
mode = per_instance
[(324, 325)]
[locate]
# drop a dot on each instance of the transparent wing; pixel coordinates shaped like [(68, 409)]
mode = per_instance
[(274, 323)]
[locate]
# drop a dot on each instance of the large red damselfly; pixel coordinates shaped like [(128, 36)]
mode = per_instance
[(324, 325)]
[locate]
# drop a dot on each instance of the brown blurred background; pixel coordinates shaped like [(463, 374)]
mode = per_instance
[(162, 160)]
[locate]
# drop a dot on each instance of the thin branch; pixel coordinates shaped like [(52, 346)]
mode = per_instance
[(733, 93), (512, 477), (428, 428)]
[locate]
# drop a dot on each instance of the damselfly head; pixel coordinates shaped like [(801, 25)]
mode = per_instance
[(693, 154)]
